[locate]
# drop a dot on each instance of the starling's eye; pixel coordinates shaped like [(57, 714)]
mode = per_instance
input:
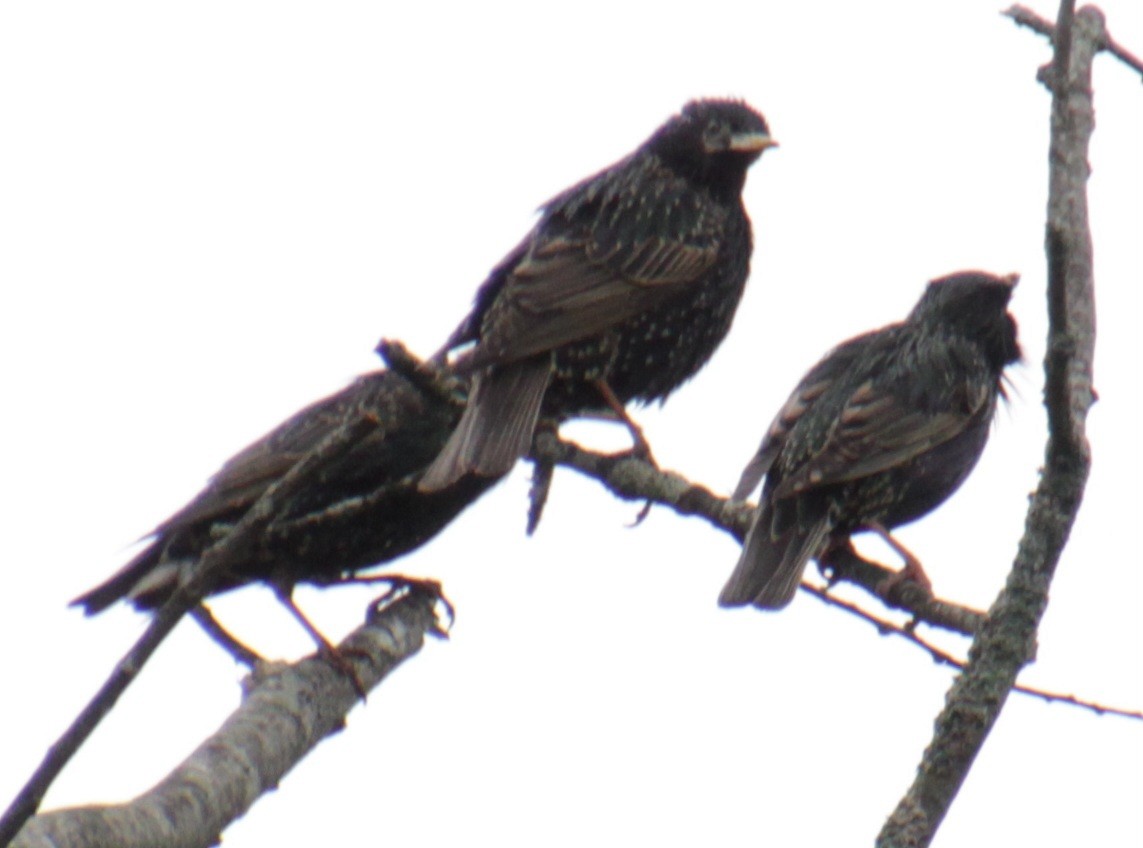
[(716, 135)]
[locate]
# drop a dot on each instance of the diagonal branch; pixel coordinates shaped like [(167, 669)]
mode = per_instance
[(1007, 640), (631, 478), (286, 711), (940, 656), (229, 550)]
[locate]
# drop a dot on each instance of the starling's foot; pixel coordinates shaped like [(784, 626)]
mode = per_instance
[(243, 655), (399, 587), (912, 572), (641, 450), (891, 586)]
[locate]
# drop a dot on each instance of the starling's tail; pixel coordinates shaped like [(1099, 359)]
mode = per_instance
[(497, 425), (771, 564), (137, 581)]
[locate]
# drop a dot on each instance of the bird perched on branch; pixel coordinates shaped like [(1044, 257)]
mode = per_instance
[(621, 292), (360, 507), (880, 432)]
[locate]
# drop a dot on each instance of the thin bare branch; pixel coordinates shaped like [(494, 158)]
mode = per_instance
[(1023, 16), (943, 657), (631, 478)]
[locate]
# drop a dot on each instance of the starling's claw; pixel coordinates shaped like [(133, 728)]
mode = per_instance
[(399, 586), (644, 511), (893, 587)]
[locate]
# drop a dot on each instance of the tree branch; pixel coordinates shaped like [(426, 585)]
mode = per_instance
[(226, 552), (631, 478), (286, 711), (1023, 16), (943, 657), (1006, 642)]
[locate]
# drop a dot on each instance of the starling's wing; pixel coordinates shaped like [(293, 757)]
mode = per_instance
[(878, 430), (615, 248), (773, 560), (808, 391), (815, 384), (246, 475), (561, 293), (236, 486), (470, 328)]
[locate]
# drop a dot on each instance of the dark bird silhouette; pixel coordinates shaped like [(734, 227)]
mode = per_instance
[(621, 292), (879, 433), (364, 508)]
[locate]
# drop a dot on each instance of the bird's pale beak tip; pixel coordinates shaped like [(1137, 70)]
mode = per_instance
[(752, 143)]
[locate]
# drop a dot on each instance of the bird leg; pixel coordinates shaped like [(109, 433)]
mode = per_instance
[(336, 657), (641, 447), (912, 571), (242, 654)]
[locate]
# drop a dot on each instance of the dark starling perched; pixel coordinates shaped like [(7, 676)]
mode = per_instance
[(364, 510), (621, 292), (877, 434)]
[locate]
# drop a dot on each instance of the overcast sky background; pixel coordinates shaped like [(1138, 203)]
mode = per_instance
[(210, 213)]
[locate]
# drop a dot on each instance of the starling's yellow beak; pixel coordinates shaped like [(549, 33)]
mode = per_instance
[(754, 142)]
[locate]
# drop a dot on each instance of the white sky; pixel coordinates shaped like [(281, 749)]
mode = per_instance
[(210, 212)]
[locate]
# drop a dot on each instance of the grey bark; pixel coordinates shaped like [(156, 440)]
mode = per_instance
[(1007, 641), (230, 549), (286, 711)]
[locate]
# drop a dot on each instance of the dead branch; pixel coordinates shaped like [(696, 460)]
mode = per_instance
[(1006, 642), (286, 711)]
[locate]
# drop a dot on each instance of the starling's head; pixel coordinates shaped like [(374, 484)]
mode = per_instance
[(973, 304), (714, 141)]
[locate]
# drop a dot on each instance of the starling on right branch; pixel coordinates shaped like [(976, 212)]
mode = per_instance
[(621, 292), (880, 432)]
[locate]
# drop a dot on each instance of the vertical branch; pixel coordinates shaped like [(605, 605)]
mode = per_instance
[(1007, 640)]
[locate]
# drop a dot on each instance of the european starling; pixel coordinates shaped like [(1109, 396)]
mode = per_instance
[(365, 508), (879, 433), (621, 292)]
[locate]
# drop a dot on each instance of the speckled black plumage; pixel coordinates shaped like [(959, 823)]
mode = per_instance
[(365, 508), (631, 277), (880, 432)]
